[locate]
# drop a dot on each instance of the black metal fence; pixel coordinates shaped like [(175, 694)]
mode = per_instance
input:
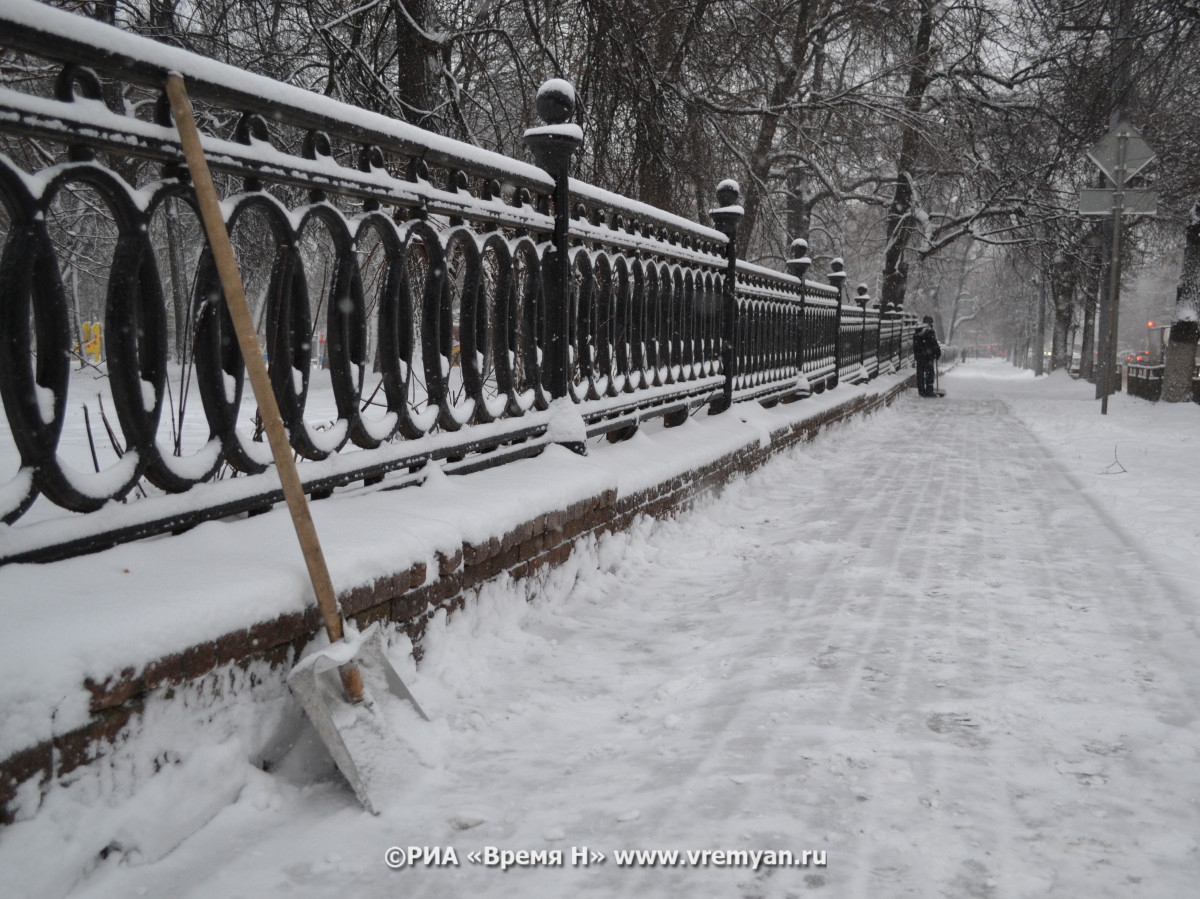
[(416, 298), (1145, 381)]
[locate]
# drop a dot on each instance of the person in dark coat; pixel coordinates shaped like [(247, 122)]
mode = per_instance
[(926, 351)]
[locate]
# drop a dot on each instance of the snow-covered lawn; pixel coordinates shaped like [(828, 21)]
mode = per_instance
[(949, 650)]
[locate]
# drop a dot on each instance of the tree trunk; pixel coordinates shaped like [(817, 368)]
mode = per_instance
[(1060, 341), (179, 302), (1039, 328), (105, 11), (162, 19), (1064, 280), (1087, 347), (652, 128), (418, 61), (1185, 330), (900, 217), (662, 143), (799, 206), (762, 154), (655, 184)]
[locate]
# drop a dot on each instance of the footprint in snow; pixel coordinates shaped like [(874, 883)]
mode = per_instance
[(956, 725), (1106, 749), (466, 821), (829, 658), (1085, 773)]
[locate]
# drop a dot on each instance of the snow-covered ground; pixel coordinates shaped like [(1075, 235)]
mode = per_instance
[(949, 650)]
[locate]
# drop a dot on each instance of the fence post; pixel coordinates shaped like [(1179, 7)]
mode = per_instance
[(885, 312), (837, 277), (726, 218), (552, 146), (862, 299), (796, 267), (879, 340)]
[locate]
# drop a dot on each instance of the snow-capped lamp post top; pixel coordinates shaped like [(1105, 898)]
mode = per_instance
[(837, 274), (556, 101), (799, 263), (553, 143), (728, 212)]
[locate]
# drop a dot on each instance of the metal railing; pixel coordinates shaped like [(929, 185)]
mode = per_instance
[(417, 298), (1145, 381)]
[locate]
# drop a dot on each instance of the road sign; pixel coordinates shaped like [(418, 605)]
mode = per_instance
[(1099, 201), (1107, 153)]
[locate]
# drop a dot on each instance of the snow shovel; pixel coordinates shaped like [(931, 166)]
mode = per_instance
[(348, 714)]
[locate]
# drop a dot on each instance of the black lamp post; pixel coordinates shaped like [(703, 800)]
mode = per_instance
[(797, 266), (552, 146), (725, 218), (837, 277), (885, 312), (862, 298)]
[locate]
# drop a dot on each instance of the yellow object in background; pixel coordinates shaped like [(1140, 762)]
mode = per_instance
[(91, 341)]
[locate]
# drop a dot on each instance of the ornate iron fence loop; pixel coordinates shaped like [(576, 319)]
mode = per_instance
[(35, 343), (416, 298)]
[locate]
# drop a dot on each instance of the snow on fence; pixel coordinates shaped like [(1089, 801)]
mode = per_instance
[(1145, 381), (417, 298)]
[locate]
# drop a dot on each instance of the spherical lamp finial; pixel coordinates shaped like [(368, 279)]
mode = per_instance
[(556, 101)]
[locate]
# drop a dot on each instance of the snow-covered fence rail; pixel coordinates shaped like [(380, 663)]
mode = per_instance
[(1145, 381), (891, 341), (417, 298)]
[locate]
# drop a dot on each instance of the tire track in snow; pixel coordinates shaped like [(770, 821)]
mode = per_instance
[(928, 540), (737, 725), (936, 728), (897, 498)]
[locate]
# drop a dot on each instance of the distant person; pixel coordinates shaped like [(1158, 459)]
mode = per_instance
[(926, 351)]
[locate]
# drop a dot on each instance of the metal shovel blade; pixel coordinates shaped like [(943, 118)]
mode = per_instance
[(363, 738)]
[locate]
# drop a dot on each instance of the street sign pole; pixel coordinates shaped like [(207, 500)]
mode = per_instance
[(1120, 154), (1114, 275)]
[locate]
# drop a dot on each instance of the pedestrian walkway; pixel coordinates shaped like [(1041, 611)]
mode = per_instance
[(910, 647)]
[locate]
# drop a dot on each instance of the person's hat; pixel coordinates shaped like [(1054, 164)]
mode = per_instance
[(928, 319)]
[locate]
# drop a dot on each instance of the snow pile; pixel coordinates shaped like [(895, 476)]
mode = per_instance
[(146, 796), (566, 424)]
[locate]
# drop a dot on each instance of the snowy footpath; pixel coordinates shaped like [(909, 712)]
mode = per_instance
[(949, 650)]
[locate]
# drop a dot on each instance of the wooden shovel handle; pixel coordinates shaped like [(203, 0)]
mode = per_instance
[(243, 326)]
